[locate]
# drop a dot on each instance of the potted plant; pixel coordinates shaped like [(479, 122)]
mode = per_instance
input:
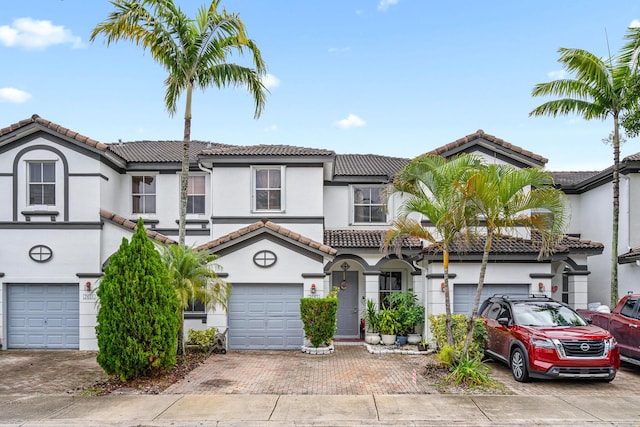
[(423, 345), (410, 314), (371, 319), (389, 325)]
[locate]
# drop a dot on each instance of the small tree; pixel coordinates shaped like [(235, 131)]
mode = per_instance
[(137, 322)]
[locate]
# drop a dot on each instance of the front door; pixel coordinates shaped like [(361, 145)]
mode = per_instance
[(348, 316)]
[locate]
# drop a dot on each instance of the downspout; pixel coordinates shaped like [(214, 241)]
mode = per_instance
[(210, 173)]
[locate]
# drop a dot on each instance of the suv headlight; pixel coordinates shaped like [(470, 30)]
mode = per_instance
[(542, 342), (609, 344)]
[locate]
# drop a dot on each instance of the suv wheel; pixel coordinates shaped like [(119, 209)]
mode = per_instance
[(519, 366)]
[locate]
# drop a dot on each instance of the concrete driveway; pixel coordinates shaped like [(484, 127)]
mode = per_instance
[(351, 370)]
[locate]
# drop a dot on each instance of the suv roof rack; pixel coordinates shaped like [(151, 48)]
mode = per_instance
[(520, 296)]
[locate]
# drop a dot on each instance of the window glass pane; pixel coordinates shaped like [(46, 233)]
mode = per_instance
[(49, 194), (196, 185), (35, 172), (48, 172), (136, 184), (198, 204), (149, 204), (35, 194), (137, 204), (274, 199), (376, 195), (378, 214), (274, 178), (262, 199), (149, 185), (262, 178), (361, 214)]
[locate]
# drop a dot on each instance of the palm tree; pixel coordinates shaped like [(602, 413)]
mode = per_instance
[(193, 277), (599, 90), (630, 55), (194, 53), (506, 200), (431, 184)]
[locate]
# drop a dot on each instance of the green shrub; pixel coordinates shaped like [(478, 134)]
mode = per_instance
[(459, 326), (408, 310), (445, 355), (470, 372), (137, 322), (319, 319), (204, 339), (388, 321)]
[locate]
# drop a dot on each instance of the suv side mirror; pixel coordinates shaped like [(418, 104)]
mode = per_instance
[(504, 321)]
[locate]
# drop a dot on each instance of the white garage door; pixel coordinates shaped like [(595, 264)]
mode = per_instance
[(463, 294), (265, 316), (43, 316)]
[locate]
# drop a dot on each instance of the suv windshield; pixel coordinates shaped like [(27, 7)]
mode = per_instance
[(545, 314)]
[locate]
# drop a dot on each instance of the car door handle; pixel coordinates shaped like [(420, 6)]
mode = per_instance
[(634, 326)]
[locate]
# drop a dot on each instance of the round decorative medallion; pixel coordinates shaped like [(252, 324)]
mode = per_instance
[(40, 253), (264, 259)]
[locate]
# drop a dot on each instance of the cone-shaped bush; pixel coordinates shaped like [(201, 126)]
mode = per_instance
[(137, 317)]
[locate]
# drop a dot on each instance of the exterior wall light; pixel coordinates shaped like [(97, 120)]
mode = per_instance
[(313, 288), (87, 286)]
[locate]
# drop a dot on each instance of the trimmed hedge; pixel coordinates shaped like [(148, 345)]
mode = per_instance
[(319, 319)]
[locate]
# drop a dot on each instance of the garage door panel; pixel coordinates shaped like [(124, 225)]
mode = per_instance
[(265, 316), (464, 294), (43, 316)]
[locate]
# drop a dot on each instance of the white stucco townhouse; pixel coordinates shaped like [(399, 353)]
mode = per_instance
[(286, 222)]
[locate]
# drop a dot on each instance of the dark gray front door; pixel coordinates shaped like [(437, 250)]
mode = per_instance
[(348, 316)]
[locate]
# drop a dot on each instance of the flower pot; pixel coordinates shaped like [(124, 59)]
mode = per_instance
[(401, 339), (372, 338), (413, 339), (388, 339)]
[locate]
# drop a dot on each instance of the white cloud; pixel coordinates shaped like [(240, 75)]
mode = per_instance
[(270, 81), (35, 34), (557, 74), (339, 49), (15, 96), (351, 121), (272, 128), (635, 23), (384, 4)]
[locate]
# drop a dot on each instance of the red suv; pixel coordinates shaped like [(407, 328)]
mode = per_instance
[(538, 337)]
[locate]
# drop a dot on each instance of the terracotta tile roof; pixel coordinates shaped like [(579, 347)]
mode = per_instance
[(479, 134), (363, 239), (516, 245), (124, 222), (572, 177), (159, 151), (285, 232), (631, 256), (368, 165), (632, 157), (35, 119), (266, 150)]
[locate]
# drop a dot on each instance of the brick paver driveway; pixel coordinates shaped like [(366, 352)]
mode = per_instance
[(352, 370)]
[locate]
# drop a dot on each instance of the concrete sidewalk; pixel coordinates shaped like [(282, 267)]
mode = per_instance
[(325, 410)]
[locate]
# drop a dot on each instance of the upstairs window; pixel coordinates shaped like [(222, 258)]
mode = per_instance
[(143, 192), (268, 188), (42, 183), (368, 206), (196, 191)]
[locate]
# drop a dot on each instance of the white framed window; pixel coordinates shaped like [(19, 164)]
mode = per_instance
[(389, 282), (196, 194), (368, 205), (268, 188), (42, 183), (143, 194)]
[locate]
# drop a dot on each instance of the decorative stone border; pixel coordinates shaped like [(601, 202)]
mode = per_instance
[(392, 349), (309, 349)]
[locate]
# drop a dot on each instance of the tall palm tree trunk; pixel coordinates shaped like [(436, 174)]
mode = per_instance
[(447, 298), (184, 173), (476, 302), (616, 211)]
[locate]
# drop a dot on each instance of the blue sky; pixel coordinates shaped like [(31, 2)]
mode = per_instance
[(390, 77)]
